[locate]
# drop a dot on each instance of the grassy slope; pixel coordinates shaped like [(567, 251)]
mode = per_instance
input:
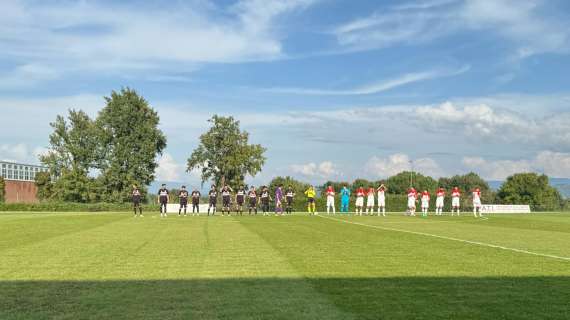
[(71, 266)]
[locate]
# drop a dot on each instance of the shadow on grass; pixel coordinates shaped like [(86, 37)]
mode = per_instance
[(359, 298)]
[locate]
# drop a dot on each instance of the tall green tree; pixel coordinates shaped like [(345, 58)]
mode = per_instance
[(130, 142), (70, 157), (224, 154), (532, 189), (72, 144)]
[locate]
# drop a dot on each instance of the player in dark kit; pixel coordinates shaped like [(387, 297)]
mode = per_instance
[(289, 195), (265, 198), (226, 199), (136, 195), (213, 194), (252, 196), (196, 202), (240, 199), (163, 200), (183, 196)]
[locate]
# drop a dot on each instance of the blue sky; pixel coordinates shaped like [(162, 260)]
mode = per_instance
[(334, 89)]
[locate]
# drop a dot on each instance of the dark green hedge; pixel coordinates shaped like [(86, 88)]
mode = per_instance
[(70, 207)]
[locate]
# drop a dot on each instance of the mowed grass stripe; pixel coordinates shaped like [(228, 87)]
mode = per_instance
[(494, 246), (495, 230)]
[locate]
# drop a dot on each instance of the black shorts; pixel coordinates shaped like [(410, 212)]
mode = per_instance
[(252, 202), (195, 202), (311, 200), (289, 201), (183, 203), (136, 203), (239, 200), (163, 200), (226, 201), (213, 201)]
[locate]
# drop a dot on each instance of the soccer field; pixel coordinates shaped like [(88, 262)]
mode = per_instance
[(114, 266)]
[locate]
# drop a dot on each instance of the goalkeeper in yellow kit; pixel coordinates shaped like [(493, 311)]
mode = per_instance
[(310, 193)]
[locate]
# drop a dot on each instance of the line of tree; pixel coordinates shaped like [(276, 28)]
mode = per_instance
[(91, 160)]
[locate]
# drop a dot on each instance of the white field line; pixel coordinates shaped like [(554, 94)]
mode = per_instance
[(452, 239)]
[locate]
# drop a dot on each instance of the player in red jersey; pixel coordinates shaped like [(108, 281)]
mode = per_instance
[(425, 203), (455, 200), (359, 200), (477, 202), (370, 195), (412, 198), (330, 200), (382, 199), (439, 202)]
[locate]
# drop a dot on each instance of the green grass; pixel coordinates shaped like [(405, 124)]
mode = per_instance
[(113, 266)]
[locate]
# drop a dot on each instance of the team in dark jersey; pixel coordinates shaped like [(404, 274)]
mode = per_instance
[(240, 199), (289, 195), (136, 197), (213, 197), (265, 198), (196, 202), (183, 196), (163, 200), (252, 200), (226, 199)]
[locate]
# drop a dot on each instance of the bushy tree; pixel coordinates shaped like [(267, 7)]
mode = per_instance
[(44, 185), (130, 142), (400, 183), (224, 154), (466, 182), (532, 189), (361, 183), (70, 157)]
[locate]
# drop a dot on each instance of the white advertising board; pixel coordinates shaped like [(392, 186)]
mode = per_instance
[(505, 208), (173, 208)]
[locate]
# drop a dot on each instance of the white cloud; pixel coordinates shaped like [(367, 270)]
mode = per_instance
[(519, 22), (385, 167), (553, 164), (376, 87), (82, 35), (20, 152), (168, 169), (478, 121), (323, 170)]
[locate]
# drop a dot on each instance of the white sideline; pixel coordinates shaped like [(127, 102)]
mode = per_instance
[(452, 239)]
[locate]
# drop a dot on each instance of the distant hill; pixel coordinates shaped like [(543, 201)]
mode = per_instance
[(562, 184)]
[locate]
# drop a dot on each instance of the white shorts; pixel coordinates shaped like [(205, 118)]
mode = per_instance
[(381, 201), (359, 201), (370, 201), (439, 202), (330, 201), (425, 204), (477, 203), (455, 202), (411, 203)]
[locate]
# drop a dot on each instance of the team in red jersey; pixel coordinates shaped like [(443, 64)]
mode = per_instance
[(412, 198), (455, 200), (477, 202), (360, 200), (440, 201), (370, 195), (330, 200), (425, 203)]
